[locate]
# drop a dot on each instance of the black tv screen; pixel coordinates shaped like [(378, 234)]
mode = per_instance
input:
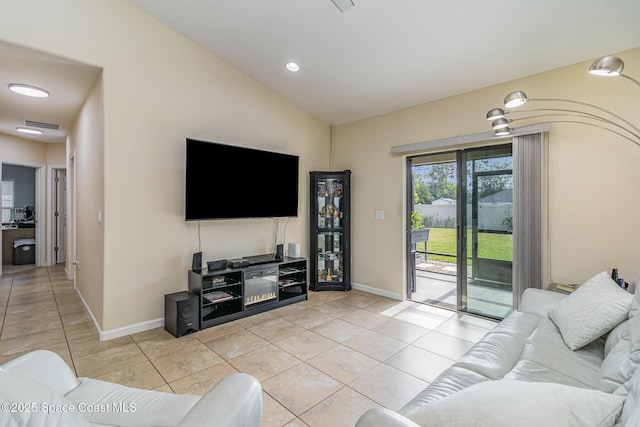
[(226, 182)]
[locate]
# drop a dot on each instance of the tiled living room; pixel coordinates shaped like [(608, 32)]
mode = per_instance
[(364, 89), (322, 362)]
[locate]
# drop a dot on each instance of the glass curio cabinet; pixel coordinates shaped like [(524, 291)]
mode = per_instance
[(330, 239)]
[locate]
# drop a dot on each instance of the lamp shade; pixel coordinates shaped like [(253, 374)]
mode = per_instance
[(503, 131), (495, 113), (500, 124), (607, 66), (515, 99)]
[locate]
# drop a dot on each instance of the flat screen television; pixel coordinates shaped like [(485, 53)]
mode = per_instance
[(227, 182)]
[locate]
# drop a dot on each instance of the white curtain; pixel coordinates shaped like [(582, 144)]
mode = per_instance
[(528, 211)]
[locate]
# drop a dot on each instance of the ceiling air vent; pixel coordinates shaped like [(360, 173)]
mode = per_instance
[(41, 125)]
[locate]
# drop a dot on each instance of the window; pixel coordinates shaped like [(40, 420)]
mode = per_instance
[(7, 200)]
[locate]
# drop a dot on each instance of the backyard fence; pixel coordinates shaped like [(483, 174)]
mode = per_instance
[(491, 216)]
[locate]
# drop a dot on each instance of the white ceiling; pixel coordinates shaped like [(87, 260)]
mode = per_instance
[(378, 56), (384, 55), (68, 83)]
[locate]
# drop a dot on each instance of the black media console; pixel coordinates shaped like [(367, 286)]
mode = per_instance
[(233, 293)]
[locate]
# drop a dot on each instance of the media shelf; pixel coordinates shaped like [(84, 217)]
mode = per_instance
[(233, 293), (292, 280)]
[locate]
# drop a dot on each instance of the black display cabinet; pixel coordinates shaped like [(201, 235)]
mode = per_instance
[(330, 228)]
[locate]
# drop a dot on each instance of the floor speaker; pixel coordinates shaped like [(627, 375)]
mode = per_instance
[(181, 314)]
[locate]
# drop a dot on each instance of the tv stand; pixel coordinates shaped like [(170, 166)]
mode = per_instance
[(233, 293), (262, 259)]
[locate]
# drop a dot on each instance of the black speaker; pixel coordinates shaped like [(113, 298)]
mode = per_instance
[(196, 262), (181, 313), (279, 251)]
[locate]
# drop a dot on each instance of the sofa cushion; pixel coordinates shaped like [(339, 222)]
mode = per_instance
[(130, 406), (590, 311), (618, 333), (622, 361), (450, 381), (26, 402), (633, 288), (631, 410), (507, 403), (546, 358), (500, 349)]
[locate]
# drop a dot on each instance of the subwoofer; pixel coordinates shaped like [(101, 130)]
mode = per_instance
[(181, 313)]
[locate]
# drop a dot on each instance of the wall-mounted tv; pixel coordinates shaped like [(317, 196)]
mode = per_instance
[(226, 182)]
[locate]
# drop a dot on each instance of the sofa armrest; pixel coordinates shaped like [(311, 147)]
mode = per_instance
[(236, 401), (539, 301), (382, 417), (45, 367)]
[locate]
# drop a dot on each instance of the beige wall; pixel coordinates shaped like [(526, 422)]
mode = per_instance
[(594, 175), (85, 180), (22, 150), (158, 88), (56, 154)]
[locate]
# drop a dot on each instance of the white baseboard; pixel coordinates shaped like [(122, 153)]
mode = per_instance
[(125, 330), (159, 323), (376, 291), (131, 329)]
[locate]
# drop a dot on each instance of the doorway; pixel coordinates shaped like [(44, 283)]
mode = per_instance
[(22, 200), (460, 244)]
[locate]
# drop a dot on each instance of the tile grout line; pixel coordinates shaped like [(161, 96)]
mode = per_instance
[(64, 330), (6, 307)]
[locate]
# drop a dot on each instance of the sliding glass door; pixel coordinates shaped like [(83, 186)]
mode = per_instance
[(460, 246)]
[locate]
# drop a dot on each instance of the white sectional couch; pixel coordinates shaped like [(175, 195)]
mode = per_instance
[(39, 389), (559, 361)]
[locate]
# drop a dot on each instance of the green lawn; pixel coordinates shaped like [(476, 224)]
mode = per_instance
[(493, 246)]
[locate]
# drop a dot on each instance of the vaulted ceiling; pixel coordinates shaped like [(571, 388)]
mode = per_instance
[(382, 55), (375, 57)]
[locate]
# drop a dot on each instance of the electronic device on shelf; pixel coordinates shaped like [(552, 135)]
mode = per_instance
[(238, 263), (216, 265), (263, 259)]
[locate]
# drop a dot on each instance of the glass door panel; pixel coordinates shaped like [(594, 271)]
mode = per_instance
[(330, 257), (486, 279), (432, 237)]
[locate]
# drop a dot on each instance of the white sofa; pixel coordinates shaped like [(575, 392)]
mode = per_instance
[(39, 389), (525, 372)]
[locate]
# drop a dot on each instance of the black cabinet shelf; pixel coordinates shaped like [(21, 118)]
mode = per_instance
[(330, 231), (230, 294)]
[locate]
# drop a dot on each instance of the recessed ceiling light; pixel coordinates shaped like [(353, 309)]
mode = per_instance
[(28, 90), (292, 66), (29, 131)]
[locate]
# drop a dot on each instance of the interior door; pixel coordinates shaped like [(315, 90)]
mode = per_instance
[(60, 216)]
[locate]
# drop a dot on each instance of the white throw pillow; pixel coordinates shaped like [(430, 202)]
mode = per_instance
[(508, 403), (592, 310)]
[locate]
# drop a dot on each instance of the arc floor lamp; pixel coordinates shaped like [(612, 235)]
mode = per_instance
[(608, 66)]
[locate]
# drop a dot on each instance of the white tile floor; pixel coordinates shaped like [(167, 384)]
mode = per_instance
[(321, 362)]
